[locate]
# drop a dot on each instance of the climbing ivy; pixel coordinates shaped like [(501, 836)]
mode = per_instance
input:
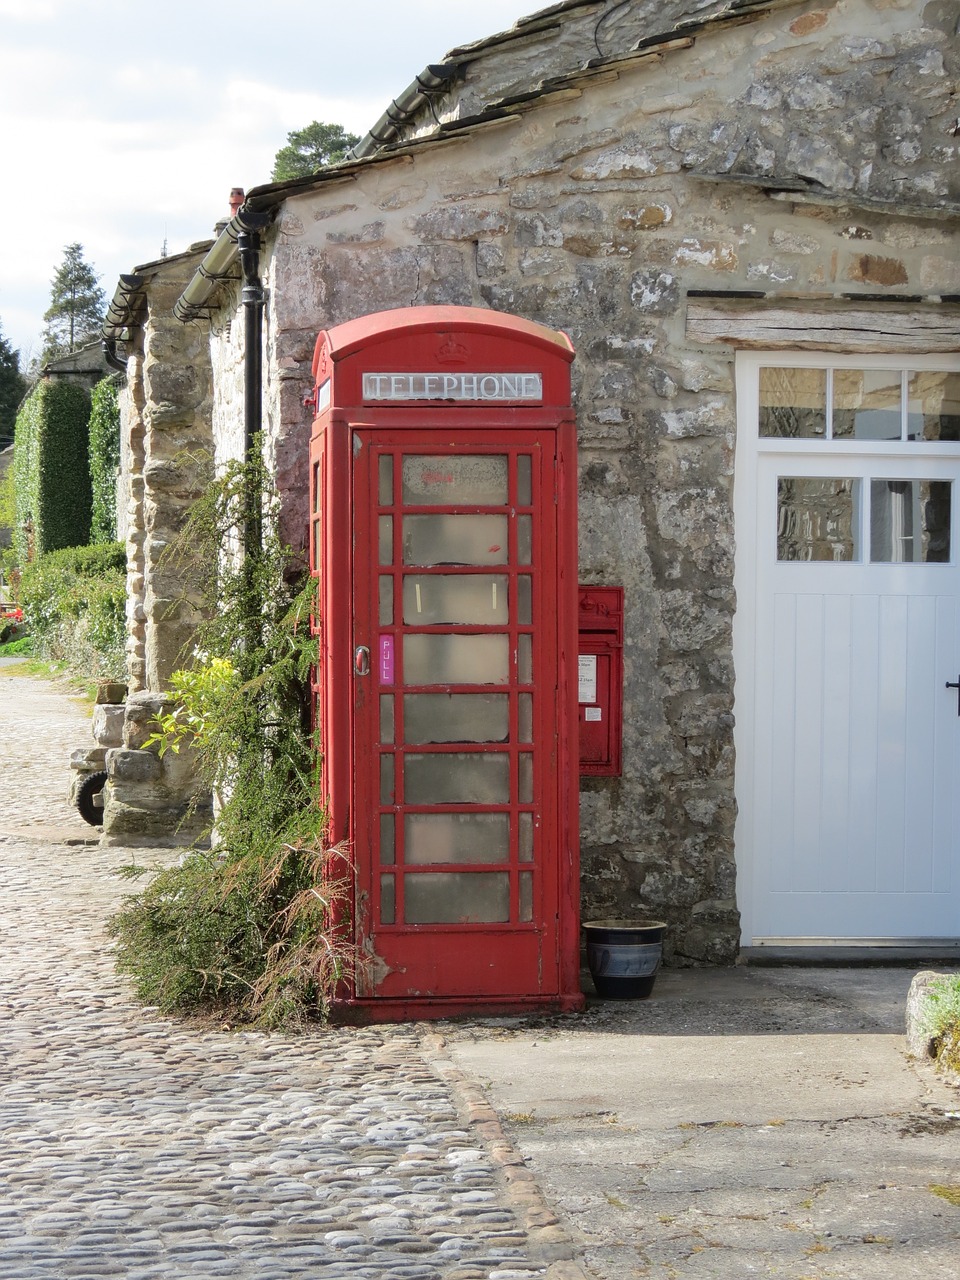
[(52, 471), (104, 459)]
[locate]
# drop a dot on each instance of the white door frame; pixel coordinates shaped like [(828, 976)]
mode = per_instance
[(750, 448)]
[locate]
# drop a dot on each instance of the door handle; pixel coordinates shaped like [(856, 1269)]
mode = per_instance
[(361, 661), (955, 684)]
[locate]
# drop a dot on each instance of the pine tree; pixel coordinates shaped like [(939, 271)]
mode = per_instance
[(309, 149), (77, 304), (12, 388)]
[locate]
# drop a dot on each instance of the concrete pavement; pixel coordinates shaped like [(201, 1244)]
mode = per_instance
[(740, 1122)]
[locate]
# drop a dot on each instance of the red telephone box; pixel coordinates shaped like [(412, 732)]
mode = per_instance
[(444, 541)]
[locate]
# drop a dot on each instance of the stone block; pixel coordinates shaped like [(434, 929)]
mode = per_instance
[(108, 725), (89, 759), (124, 765), (646, 217), (142, 710), (654, 292), (462, 222), (111, 693), (869, 268)]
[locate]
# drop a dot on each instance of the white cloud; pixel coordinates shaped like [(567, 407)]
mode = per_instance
[(122, 124)]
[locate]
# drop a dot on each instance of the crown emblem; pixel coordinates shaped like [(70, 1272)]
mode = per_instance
[(451, 351)]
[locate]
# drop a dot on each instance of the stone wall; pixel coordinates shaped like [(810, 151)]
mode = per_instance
[(598, 212), (167, 444)]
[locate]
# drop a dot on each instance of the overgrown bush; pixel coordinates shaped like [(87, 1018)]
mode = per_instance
[(52, 470), (74, 605), (941, 1020), (252, 929), (104, 459)]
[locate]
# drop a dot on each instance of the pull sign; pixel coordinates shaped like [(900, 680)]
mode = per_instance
[(386, 659)]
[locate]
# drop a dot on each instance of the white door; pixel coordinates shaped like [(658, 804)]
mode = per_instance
[(848, 633)]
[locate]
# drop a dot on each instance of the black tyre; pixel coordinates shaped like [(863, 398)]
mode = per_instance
[(90, 798)]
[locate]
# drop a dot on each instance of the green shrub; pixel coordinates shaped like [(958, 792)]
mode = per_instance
[(104, 459), (253, 929), (74, 606), (52, 470)]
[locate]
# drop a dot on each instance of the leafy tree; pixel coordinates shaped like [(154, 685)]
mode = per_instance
[(77, 305), (12, 388), (309, 149)]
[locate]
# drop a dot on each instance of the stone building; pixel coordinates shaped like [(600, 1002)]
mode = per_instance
[(744, 216)]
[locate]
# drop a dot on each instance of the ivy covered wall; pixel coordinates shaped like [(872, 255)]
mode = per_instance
[(104, 459), (52, 470)]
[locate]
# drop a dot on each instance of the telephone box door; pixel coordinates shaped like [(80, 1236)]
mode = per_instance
[(455, 754)]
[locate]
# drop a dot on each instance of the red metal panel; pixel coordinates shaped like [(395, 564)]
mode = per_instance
[(432, 969)]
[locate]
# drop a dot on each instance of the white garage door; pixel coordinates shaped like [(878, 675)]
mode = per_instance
[(847, 638)]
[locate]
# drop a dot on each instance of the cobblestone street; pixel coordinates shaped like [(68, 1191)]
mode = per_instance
[(135, 1146)]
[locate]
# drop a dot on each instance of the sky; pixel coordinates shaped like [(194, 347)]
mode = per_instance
[(124, 123)]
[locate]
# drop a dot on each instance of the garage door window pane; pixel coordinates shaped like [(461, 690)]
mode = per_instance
[(818, 518), (866, 404), (910, 521), (793, 403)]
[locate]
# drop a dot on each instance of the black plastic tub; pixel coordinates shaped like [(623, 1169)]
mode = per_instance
[(624, 956)]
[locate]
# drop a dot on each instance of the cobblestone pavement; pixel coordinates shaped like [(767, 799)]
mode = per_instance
[(134, 1146)]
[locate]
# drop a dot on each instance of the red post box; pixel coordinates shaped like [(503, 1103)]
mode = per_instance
[(600, 681), (444, 543)]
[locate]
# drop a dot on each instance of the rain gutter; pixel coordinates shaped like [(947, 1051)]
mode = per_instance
[(122, 313), (432, 80), (218, 265)]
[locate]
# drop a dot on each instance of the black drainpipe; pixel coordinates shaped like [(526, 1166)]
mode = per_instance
[(252, 301)]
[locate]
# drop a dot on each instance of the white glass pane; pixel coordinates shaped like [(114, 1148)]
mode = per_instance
[(457, 897), (933, 406), (910, 521), (452, 539), (387, 779), (525, 600), (386, 718), (866, 404), (385, 480), (793, 403), (388, 900), (525, 717), (456, 717), (457, 779), (525, 659), (524, 482), (386, 539), (524, 539), (526, 778), (456, 837), (451, 599), (388, 839), (478, 480), (385, 592), (526, 897), (526, 837), (818, 518), (432, 659)]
